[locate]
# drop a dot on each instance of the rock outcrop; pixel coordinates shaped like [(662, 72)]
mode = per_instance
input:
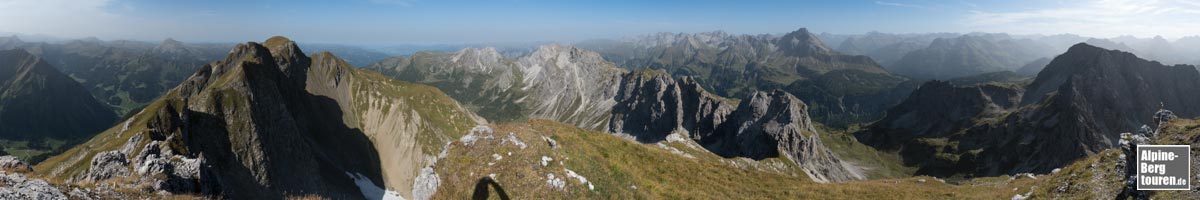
[(17, 186), (14, 185), (771, 124), (651, 106), (13, 164)]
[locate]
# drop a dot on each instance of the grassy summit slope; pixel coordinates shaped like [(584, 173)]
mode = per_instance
[(510, 157)]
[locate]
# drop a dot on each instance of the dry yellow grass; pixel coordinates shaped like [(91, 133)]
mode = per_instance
[(623, 169)]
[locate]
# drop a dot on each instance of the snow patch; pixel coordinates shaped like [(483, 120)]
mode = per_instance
[(371, 191), (497, 156)]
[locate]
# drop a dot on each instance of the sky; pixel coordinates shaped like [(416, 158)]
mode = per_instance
[(393, 22)]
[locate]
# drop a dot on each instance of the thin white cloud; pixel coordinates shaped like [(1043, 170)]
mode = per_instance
[(1102, 18), (885, 3)]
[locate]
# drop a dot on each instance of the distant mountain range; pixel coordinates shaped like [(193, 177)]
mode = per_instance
[(841, 89), (675, 115), (127, 75), (967, 55)]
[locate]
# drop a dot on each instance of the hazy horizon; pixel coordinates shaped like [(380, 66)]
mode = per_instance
[(417, 22)]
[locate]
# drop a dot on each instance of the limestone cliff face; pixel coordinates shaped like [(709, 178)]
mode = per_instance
[(570, 85), (557, 82), (270, 122), (652, 106)]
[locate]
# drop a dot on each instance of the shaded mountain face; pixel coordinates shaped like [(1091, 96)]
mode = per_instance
[(1075, 107), (562, 83), (39, 103), (1032, 68), (125, 75), (738, 65), (652, 107), (923, 128), (967, 55), (269, 122), (1000, 77)]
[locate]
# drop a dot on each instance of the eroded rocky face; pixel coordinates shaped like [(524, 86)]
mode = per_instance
[(558, 82), (652, 106)]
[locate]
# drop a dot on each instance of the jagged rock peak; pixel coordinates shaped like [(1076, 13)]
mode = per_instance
[(802, 42), (288, 56), (775, 123), (478, 58), (478, 52), (248, 52), (170, 42), (561, 56), (283, 47), (276, 42)]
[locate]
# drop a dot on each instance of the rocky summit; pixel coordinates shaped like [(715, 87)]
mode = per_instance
[(270, 122)]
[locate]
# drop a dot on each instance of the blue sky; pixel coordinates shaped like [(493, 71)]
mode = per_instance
[(383, 22)]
